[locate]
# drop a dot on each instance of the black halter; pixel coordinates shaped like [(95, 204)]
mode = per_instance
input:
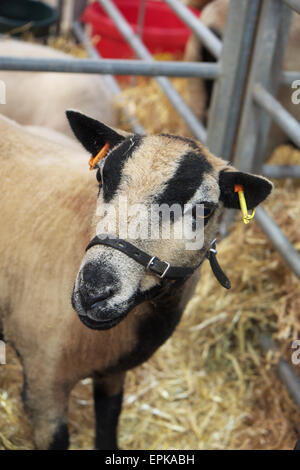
[(160, 268)]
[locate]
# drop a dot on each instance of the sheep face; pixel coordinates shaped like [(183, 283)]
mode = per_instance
[(163, 194)]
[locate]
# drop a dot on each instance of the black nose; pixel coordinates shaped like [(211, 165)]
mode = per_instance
[(97, 275), (98, 284)]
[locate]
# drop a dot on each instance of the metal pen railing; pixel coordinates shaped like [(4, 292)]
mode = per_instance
[(110, 80), (142, 52), (206, 36), (111, 66)]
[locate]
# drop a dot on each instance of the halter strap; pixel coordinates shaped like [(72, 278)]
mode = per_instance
[(161, 268), (152, 263), (211, 255)]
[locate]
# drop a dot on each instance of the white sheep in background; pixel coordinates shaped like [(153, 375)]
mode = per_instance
[(41, 98)]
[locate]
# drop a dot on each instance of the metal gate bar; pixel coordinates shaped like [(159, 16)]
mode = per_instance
[(282, 117), (270, 41), (206, 36), (294, 4), (141, 51), (281, 171), (228, 89), (271, 38), (110, 66), (278, 240), (110, 80), (285, 371), (287, 78)]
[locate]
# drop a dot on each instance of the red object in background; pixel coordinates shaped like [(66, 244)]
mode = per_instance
[(163, 31)]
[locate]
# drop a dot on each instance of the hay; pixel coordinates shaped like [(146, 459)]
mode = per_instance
[(286, 155), (64, 43), (146, 101), (67, 44), (153, 110)]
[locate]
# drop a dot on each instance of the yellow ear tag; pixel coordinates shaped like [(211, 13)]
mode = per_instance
[(94, 160), (246, 217)]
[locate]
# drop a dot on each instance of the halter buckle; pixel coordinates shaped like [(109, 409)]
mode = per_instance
[(213, 247), (152, 261)]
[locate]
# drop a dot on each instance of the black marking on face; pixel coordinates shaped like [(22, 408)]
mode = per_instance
[(114, 162), (186, 180), (208, 211)]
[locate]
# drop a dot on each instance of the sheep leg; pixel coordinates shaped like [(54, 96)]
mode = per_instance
[(46, 404), (108, 392)]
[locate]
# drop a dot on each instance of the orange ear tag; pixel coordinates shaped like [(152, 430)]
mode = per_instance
[(246, 217), (94, 160)]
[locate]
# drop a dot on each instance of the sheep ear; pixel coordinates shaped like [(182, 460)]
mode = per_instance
[(256, 188), (91, 133)]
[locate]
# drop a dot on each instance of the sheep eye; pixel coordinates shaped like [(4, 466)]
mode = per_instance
[(208, 210)]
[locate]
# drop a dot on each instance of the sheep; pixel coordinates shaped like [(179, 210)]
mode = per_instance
[(199, 91), (121, 312), (54, 136), (41, 98)]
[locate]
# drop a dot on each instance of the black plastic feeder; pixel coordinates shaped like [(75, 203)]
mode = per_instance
[(19, 16)]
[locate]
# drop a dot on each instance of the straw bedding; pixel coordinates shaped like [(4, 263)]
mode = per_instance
[(210, 386)]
